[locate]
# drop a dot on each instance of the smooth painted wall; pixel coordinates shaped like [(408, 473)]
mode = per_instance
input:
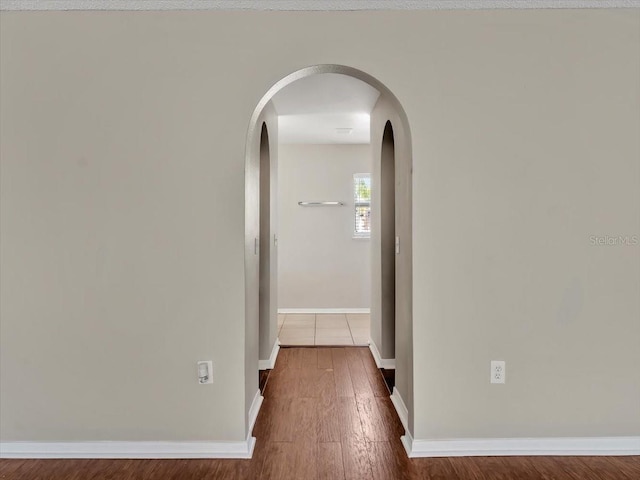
[(320, 264), (268, 289), (260, 320), (122, 142), (397, 345)]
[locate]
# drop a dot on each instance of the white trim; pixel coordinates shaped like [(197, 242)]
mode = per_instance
[(401, 408), (241, 449), (474, 447), (320, 311), (244, 449), (403, 414), (251, 445), (288, 5), (407, 443), (386, 363), (271, 362), (253, 412)]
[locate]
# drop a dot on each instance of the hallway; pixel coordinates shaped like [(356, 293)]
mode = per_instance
[(332, 405), (327, 415), (324, 329)]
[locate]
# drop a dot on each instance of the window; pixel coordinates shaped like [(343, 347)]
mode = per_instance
[(362, 205)]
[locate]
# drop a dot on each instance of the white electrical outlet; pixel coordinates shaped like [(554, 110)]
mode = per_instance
[(498, 371)]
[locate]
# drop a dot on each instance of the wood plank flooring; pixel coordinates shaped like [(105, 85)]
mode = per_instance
[(327, 415)]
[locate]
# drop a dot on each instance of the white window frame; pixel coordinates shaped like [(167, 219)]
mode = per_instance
[(356, 204)]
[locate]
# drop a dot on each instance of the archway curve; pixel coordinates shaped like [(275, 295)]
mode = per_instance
[(254, 129), (398, 117)]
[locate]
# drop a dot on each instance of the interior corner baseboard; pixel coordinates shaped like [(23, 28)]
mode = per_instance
[(252, 417), (560, 446), (271, 362), (401, 408), (387, 363), (152, 450), (292, 311), (253, 412), (407, 443)]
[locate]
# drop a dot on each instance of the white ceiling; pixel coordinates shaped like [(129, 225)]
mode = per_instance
[(307, 4), (324, 128), (326, 93), (325, 108)]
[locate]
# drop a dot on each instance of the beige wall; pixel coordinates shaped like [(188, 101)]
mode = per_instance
[(122, 141), (531, 147), (320, 264)]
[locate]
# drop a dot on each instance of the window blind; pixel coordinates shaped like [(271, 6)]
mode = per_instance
[(362, 204)]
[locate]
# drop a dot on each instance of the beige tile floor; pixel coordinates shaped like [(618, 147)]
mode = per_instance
[(323, 329)]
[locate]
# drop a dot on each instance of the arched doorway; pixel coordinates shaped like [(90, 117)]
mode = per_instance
[(395, 171)]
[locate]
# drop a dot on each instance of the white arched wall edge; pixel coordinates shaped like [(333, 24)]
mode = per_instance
[(268, 117), (387, 111), (388, 108), (385, 192), (268, 293)]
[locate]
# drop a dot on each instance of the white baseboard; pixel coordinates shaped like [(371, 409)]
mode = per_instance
[(401, 408), (387, 363), (271, 362), (474, 447), (241, 449), (253, 412), (322, 310), (407, 443), (611, 446)]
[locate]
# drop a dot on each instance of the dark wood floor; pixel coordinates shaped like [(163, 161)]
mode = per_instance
[(327, 415)]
